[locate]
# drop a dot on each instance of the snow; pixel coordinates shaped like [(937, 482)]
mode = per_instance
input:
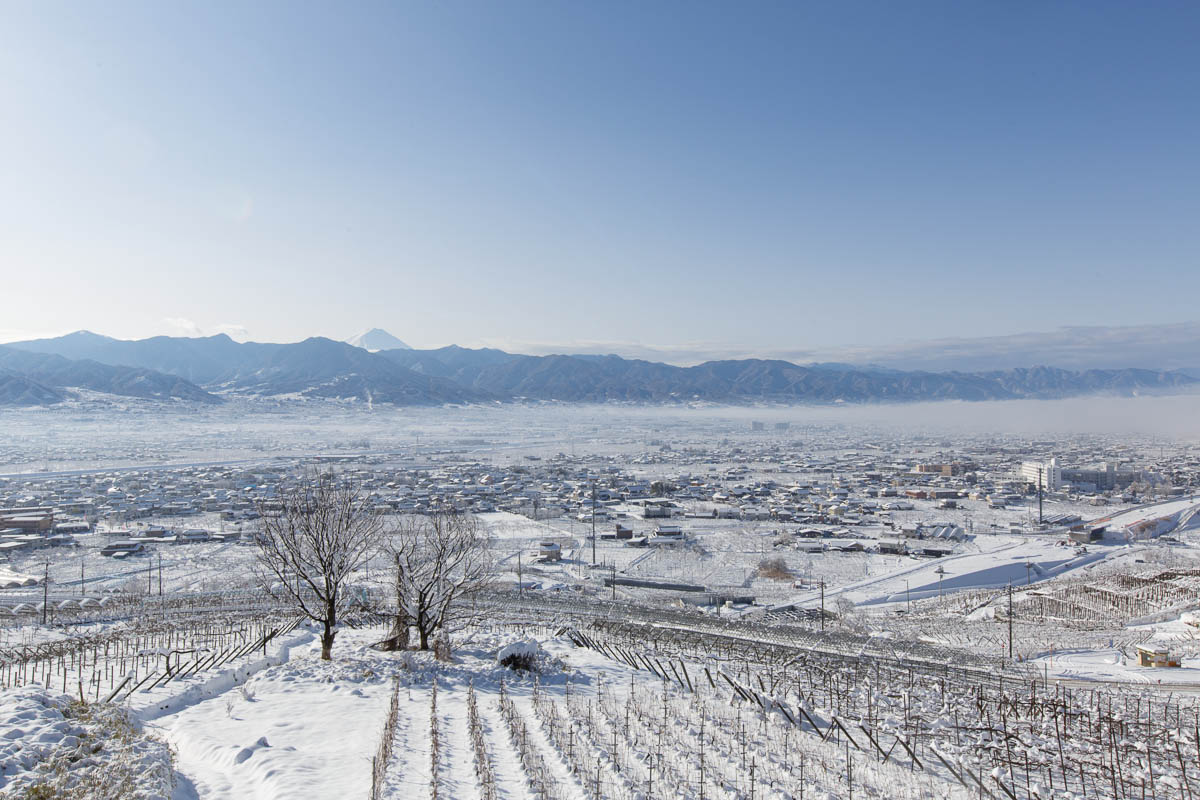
[(1147, 512), (304, 728), (526, 648), (1111, 664), (32, 728), (54, 743), (377, 339), (13, 580)]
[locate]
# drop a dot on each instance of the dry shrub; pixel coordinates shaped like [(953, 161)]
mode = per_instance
[(520, 662), (775, 569)]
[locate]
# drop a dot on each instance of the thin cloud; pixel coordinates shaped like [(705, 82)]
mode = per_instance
[(183, 325), (233, 331)]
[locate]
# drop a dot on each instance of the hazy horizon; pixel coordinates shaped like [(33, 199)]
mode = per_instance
[(1168, 346)]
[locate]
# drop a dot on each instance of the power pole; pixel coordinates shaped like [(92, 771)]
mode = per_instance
[(46, 593), (593, 523), (1039, 495), (614, 582), (520, 580), (1010, 621), (822, 606)]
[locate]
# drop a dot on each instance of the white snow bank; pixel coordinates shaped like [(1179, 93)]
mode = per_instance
[(304, 728), (176, 695), (65, 748), (526, 648)]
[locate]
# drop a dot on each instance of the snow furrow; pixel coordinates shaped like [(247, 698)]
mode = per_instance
[(506, 761), (409, 775), (456, 775)]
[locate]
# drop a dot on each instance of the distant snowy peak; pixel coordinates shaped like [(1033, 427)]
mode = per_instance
[(377, 339)]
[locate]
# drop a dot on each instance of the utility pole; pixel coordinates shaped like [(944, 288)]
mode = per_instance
[(593, 523), (80, 573), (614, 582), (822, 606), (520, 580), (1010, 621), (160, 575), (1039, 495), (46, 593)]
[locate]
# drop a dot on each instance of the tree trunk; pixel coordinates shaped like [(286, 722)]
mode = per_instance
[(424, 638), (328, 631), (327, 642), (397, 638)]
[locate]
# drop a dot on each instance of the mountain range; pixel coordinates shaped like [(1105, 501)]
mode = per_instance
[(33, 378), (206, 369)]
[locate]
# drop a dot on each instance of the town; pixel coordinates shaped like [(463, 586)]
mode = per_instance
[(1072, 557)]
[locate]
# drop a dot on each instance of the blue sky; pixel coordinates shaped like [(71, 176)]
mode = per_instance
[(760, 176)]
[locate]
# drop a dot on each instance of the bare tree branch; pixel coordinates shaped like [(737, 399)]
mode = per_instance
[(441, 563), (309, 547)]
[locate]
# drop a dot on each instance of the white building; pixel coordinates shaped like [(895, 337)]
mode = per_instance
[(1050, 472)]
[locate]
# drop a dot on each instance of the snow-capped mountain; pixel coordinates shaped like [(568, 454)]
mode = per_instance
[(377, 339)]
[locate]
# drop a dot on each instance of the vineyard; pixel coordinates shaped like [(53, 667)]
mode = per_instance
[(1107, 608), (657, 711), (604, 730), (621, 702), (115, 664)]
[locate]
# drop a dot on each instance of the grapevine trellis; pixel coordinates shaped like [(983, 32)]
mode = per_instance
[(383, 754), (1003, 738), (114, 664), (1098, 601), (1004, 732)]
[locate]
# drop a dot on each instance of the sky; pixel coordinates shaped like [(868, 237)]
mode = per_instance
[(784, 176)]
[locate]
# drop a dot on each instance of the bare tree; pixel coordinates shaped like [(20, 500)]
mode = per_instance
[(441, 562), (308, 549)]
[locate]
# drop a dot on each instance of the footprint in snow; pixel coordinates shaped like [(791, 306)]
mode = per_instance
[(246, 752)]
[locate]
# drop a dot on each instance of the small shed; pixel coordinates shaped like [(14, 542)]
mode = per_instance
[(1153, 656)]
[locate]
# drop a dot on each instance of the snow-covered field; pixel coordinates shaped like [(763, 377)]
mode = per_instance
[(585, 726)]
